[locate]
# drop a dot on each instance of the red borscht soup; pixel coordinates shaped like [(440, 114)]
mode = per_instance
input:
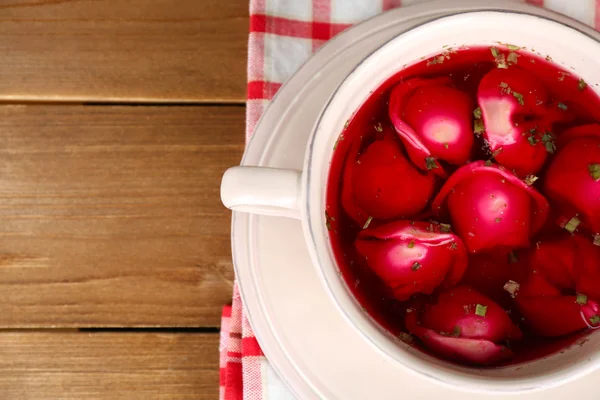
[(463, 205)]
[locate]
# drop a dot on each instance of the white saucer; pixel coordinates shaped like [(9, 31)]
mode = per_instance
[(302, 333)]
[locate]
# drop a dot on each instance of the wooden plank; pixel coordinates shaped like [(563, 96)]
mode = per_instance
[(61, 365), (111, 216), (123, 51)]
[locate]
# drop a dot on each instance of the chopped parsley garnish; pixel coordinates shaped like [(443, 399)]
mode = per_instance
[(512, 47), (548, 140), (532, 140), (513, 257), (597, 239), (328, 220), (436, 60), (453, 246), (488, 163), (581, 85), (581, 299), (498, 220), (411, 244), (512, 287), (339, 139), (430, 163), (478, 127), (563, 106), (477, 113), (594, 171), (572, 225), (563, 75), (512, 58), (548, 58), (405, 337), (519, 98), (499, 58), (366, 225), (480, 310), (456, 331), (378, 127), (595, 319), (416, 266), (530, 179), (446, 145), (445, 228), (497, 152)]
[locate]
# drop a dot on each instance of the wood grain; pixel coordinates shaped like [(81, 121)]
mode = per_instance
[(110, 215), (123, 51), (127, 366)]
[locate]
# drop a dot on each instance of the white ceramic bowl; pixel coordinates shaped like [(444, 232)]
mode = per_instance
[(301, 194)]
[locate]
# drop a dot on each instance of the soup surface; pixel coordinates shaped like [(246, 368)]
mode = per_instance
[(463, 205)]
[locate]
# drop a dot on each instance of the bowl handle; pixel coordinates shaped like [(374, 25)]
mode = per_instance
[(261, 190)]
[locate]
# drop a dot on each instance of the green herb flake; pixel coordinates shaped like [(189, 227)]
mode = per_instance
[(519, 98), (411, 244), (581, 299), (548, 140), (346, 124), (416, 266), (456, 331), (562, 75), (445, 228), (477, 113), (339, 139), (512, 288), (446, 145), (499, 58), (595, 319), (498, 220), (480, 310), (513, 257), (597, 239), (512, 58), (497, 152), (563, 106), (366, 225), (453, 246), (431, 163), (512, 47), (530, 179), (594, 170), (532, 140), (572, 225), (378, 127), (548, 58), (478, 127), (581, 85), (436, 60), (505, 89), (488, 163), (328, 220), (405, 337)]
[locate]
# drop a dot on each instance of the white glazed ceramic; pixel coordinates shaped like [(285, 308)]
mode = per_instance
[(292, 194)]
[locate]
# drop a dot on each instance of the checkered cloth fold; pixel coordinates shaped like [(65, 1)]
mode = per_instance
[(283, 34)]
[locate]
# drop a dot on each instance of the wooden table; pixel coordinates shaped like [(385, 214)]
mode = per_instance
[(117, 119)]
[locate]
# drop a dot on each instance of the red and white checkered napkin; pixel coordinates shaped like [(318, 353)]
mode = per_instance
[(283, 34)]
